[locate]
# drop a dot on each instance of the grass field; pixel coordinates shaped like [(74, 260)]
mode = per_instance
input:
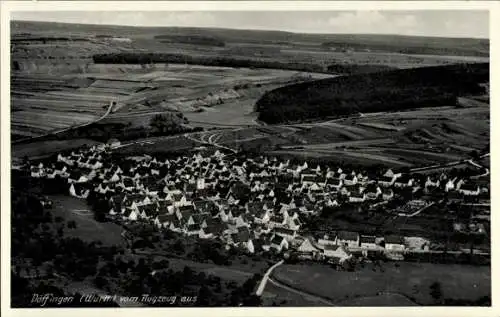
[(410, 280), (88, 229), (285, 298), (43, 148)]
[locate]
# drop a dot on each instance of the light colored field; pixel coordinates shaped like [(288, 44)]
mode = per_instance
[(381, 126)]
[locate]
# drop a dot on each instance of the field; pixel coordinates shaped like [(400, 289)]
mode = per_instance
[(209, 96), (88, 229), (56, 84), (409, 138), (420, 137), (408, 282), (40, 149)]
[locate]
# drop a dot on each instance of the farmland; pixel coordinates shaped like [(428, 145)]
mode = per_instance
[(408, 280), (57, 84), (407, 138)]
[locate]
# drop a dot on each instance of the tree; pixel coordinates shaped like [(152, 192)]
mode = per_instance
[(436, 292)]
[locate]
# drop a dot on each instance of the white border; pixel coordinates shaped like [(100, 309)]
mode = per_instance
[(8, 6)]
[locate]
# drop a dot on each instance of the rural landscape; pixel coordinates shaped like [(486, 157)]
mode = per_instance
[(218, 167)]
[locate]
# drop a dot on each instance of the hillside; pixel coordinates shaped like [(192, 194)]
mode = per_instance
[(386, 43), (380, 91), (44, 47)]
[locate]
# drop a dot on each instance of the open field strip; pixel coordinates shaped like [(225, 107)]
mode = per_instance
[(351, 128), (372, 142), (380, 126), (19, 102), (417, 153), (411, 280), (76, 95), (50, 116), (367, 157), (307, 296)]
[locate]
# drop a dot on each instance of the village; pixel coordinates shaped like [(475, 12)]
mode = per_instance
[(253, 204)]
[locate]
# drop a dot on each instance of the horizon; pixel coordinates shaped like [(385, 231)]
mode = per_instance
[(257, 30), (429, 23)]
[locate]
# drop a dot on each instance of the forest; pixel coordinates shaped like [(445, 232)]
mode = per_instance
[(393, 90), (191, 39)]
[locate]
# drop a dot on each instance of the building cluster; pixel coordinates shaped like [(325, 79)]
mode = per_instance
[(257, 204)]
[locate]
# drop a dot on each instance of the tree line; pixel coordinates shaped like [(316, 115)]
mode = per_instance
[(392, 90)]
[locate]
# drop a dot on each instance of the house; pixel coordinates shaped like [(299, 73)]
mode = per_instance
[(176, 225), (387, 194), (212, 230), (147, 211), (332, 252), (130, 214), (394, 243), (404, 181), (331, 202), (469, 189), (278, 243), (391, 174), (450, 185), (307, 250), (288, 234), (193, 229), (262, 217), (127, 184), (328, 240), (348, 238), (37, 172), (78, 190), (77, 177), (243, 220), (431, 183), (242, 239), (333, 183), (277, 220), (357, 197), (184, 212), (368, 242), (163, 220), (372, 191), (350, 180), (294, 223), (94, 164), (198, 218), (309, 180), (386, 181)]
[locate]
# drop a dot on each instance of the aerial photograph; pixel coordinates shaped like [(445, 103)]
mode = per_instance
[(250, 158)]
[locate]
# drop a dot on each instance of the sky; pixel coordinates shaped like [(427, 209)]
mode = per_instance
[(445, 23)]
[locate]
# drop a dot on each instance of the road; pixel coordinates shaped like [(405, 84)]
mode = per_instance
[(451, 164), (209, 141), (68, 128), (263, 282), (417, 212)]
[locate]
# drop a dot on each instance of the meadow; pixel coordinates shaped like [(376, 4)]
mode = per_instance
[(410, 280)]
